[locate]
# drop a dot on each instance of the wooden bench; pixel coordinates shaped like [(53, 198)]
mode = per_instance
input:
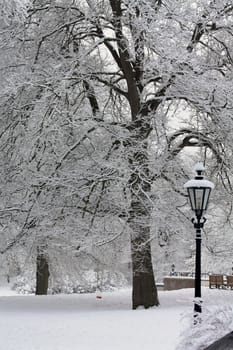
[(216, 281), (229, 280)]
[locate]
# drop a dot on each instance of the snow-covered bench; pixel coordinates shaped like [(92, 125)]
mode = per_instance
[(219, 281), (216, 281), (229, 281)]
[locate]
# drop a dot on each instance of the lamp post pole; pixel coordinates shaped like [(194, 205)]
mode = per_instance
[(198, 191), (198, 225)]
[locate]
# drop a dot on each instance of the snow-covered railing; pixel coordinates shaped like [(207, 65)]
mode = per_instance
[(204, 275)]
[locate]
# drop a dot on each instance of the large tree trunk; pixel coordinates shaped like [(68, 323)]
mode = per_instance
[(42, 274), (144, 288)]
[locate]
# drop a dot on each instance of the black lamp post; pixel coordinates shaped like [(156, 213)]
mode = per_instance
[(199, 192)]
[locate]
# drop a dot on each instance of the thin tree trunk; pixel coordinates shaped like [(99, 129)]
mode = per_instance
[(42, 274)]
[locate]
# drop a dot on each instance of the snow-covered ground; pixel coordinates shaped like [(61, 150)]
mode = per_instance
[(84, 322)]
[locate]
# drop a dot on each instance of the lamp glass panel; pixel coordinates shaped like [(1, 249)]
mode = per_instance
[(206, 197), (191, 193), (199, 195)]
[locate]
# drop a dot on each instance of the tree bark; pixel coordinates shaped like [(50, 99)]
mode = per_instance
[(144, 288), (144, 292), (42, 274)]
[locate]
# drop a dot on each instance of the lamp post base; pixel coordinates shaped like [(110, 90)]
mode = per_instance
[(197, 310)]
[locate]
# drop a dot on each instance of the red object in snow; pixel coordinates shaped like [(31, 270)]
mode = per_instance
[(98, 297)]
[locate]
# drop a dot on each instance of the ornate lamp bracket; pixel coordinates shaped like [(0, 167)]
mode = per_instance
[(198, 223)]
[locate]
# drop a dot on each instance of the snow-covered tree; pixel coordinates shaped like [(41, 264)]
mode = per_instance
[(112, 94)]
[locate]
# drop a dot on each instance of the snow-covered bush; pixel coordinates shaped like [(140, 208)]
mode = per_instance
[(24, 285), (88, 282), (215, 323)]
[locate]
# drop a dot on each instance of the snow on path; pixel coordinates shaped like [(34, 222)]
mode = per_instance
[(82, 322)]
